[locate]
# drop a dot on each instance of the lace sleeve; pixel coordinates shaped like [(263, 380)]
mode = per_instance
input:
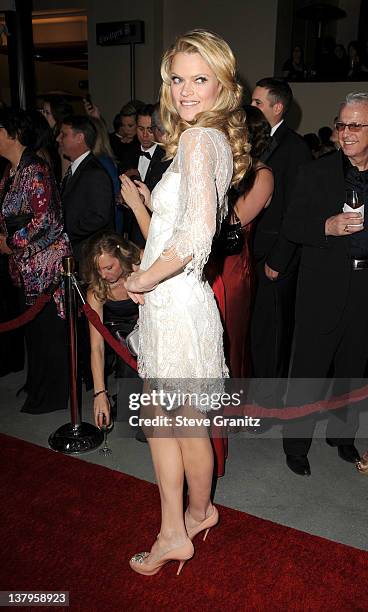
[(196, 221)]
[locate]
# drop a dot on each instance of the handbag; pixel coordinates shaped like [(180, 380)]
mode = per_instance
[(132, 341), (120, 330), (230, 240)]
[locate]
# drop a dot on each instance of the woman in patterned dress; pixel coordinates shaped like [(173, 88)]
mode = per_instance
[(31, 234)]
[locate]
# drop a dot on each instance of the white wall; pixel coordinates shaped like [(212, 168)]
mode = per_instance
[(248, 26), (109, 67)]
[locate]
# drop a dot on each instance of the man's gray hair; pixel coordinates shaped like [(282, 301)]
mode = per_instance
[(356, 98)]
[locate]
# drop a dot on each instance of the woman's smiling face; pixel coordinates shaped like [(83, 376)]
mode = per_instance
[(194, 85)]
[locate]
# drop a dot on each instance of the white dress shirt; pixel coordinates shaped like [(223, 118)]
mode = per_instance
[(74, 165), (273, 130), (144, 162)]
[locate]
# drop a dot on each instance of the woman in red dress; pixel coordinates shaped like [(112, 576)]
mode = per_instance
[(235, 272)]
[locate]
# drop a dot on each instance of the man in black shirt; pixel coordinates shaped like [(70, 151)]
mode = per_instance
[(331, 322)]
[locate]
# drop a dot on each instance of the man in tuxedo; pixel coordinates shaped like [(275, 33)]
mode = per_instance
[(276, 257), (87, 192), (150, 166), (331, 322)]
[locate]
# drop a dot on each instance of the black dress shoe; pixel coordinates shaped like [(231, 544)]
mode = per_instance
[(347, 452), (298, 464)]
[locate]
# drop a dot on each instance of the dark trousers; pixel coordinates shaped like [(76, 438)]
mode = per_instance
[(342, 353), (47, 383), (12, 342), (272, 324)]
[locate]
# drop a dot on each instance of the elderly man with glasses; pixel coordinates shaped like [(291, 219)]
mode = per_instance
[(331, 327)]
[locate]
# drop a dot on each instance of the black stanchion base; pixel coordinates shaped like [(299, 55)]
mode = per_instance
[(75, 439)]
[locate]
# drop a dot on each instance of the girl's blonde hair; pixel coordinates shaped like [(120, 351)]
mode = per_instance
[(115, 245), (226, 115)]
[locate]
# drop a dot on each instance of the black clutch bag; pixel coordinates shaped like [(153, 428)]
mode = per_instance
[(230, 240), (16, 222)]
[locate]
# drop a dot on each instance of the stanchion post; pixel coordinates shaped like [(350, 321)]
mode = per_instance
[(70, 307), (74, 437)]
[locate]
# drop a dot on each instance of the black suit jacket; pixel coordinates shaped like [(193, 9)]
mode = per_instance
[(88, 203), (156, 168), (325, 267), (288, 152), (154, 173)]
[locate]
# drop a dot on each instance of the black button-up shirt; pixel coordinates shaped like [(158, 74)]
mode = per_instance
[(358, 180)]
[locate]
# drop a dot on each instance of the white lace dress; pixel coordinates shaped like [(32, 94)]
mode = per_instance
[(180, 329)]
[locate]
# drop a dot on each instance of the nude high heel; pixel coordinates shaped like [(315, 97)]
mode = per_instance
[(182, 554), (207, 524), (362, 464)]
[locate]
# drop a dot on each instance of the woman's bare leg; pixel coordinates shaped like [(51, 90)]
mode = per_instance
[(198, 465), (169, 469), (173, 459)]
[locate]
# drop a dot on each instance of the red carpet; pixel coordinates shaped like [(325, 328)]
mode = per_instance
[(71, 525)]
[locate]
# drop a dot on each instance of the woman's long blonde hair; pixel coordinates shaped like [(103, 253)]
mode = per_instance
[(226, 115), (115, 245)]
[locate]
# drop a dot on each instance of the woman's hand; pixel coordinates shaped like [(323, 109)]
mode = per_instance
[(136, 284), (91, 109), (138, 298), (4, 249), (130, 194), (144, 192), (101, 409)]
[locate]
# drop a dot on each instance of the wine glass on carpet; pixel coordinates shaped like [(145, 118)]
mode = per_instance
[(105, 450)]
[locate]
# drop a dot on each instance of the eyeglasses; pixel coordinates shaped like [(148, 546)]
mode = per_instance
[(352, 127)]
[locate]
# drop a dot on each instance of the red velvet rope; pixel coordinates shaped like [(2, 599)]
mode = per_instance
[(28, 315), (121, 350), (293, 412)]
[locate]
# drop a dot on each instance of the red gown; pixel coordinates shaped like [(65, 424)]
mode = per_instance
[(231, 279), (236, 272)]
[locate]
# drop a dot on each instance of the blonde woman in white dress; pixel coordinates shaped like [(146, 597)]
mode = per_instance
[(179, 323)]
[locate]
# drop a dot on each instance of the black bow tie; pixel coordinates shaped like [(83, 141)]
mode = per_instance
[(146, 154)]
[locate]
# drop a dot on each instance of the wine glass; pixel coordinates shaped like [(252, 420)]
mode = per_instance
[(353, 198), (354, 202), (105, 450)]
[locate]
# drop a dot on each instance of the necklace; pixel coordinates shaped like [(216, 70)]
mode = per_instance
[(115, 283)]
